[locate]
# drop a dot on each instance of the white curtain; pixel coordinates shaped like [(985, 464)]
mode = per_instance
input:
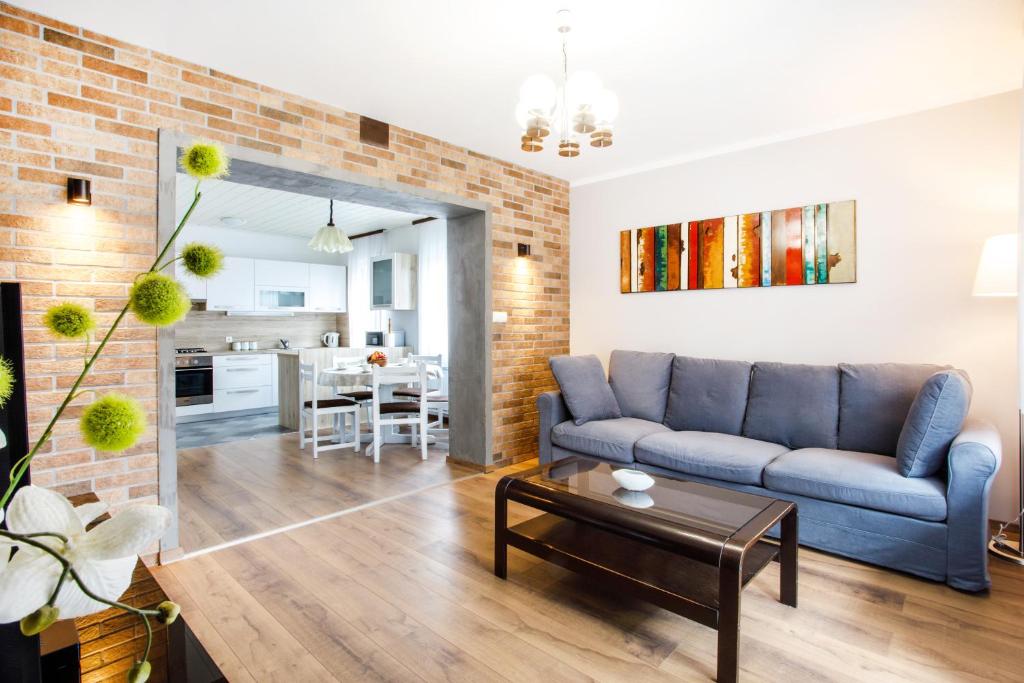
[(432, 289), (361, 318)]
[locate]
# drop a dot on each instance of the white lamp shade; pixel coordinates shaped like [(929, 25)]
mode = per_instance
[(997, 268), (331, 240)]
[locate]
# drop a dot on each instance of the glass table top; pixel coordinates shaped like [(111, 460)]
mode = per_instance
[(710, 509)]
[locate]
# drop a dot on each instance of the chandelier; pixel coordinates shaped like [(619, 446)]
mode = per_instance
[(580, 109)]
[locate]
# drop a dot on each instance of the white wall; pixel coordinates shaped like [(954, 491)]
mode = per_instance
[(930, 187)]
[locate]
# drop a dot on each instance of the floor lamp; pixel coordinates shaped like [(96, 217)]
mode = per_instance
[(997, 276)]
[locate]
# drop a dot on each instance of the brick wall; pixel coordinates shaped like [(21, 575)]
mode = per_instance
[(73, 102)]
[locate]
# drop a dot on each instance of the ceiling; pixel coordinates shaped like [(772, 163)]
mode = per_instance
[(694, 77), (279, 212)]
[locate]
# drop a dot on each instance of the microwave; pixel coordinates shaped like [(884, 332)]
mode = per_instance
[(375, 339)]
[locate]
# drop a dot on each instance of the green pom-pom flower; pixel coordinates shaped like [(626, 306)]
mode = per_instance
[(113, 423), (158, 300), (6, 381), (70, 321), (202, 260), (204, 159)]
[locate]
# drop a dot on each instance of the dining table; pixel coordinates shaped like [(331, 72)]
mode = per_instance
[(352, 377)]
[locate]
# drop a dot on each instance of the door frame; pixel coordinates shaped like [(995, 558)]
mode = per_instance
[(469, 292)]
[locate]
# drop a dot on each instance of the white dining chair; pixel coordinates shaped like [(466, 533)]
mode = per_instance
[(437, 399), (412, 412), (311, 410)]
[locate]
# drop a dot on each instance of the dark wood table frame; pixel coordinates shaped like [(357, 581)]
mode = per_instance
[(601, 541)]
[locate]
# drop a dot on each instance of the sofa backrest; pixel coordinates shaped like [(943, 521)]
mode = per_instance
[(640, 381), (793, 405), (874, 400), (707, 395)]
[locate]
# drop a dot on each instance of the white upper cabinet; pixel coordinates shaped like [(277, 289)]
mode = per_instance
[(328, 288), (195, 286), (393, 282), (234, 288), (284, 274)]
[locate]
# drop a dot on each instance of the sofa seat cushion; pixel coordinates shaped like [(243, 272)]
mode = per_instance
[(608, 439), (709, 454), (866, 480)]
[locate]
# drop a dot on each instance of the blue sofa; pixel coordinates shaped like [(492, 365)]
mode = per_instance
[(824, 437)]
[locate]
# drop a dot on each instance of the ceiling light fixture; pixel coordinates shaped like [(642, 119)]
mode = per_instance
[(581, 106), (232, 221), (330, 239)]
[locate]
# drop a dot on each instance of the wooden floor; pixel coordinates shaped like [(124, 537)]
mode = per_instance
[(234, 490), (404, 591)]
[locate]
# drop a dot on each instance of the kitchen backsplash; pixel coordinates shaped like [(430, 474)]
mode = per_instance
[(209, 328)]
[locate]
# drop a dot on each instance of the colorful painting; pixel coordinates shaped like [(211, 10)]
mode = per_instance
[(804, 245)]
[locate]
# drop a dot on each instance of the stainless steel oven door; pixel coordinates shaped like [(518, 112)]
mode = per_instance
[(193, 386)]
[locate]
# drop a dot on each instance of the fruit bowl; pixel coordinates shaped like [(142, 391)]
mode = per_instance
[(378, 358)]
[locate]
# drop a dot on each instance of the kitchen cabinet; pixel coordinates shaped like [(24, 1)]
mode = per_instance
[(283, 274), (195, 286), (393, 282), (234, 287), (328, 288), (243, 382)]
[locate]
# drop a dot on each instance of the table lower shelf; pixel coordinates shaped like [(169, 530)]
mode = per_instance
[(670, 580)]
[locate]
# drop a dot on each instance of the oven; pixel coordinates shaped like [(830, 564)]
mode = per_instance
[(193, 380)]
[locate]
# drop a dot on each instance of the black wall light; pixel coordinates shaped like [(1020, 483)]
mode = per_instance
[(523, 249), (80, 191)]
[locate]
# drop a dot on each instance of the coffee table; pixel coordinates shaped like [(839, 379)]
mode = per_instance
[(685, 546)]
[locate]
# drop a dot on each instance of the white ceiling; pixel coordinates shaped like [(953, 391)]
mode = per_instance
[(694, 77), (279, 212)]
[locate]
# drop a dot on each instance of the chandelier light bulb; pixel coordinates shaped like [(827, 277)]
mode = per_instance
[(583, 89), (606, 106), (538, 94), (563, 21)]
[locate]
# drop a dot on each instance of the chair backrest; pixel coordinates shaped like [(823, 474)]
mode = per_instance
[(414, 376), (347, 361), (438, 383), (307, 373)]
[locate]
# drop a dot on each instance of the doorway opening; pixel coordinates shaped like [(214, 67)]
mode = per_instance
[(229, 468)]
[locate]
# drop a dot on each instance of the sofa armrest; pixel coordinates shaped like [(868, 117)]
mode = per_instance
[(974, 459), (553, 411)]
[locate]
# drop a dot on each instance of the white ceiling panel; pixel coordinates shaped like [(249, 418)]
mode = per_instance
[(279, 212)]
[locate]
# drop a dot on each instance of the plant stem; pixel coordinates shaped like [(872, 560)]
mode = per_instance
[(60, 582), (18, 472)]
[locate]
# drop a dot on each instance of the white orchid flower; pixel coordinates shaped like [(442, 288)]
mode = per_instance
[(104, 557)]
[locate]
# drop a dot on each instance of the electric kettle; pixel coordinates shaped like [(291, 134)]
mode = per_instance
[(330, 339)]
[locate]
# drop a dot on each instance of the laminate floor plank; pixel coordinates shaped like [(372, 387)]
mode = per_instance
[(404, 590)]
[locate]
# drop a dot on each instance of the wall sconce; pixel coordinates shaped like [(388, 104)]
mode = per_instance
[(499, 317), (80, 191), (522, 249)]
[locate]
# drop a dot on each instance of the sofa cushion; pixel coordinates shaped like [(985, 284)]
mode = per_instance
[(584, 388), (708, 454), (640, 383), (866, 480), (707, 395), (794, 405), (874, 400), (608, 439), (934, 420)]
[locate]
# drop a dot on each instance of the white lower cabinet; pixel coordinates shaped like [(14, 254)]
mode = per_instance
[(243, 398), (243, 382)]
